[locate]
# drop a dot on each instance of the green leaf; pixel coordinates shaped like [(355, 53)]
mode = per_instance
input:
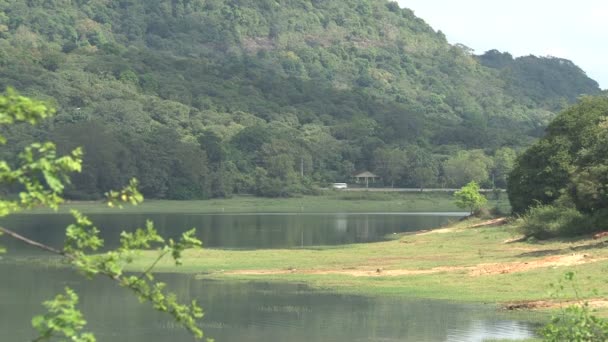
[(42, 177)]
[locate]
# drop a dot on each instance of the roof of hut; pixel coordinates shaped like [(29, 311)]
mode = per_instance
[(366, 174)]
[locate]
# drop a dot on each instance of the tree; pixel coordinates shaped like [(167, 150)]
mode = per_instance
[(571, 160), (468, 197), (422, 169), (107, 165), (40, 176), (504, 159), (466, 166), (539, 175), (589, 189), (390, 163)]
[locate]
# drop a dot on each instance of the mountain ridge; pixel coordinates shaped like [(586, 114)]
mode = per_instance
[(357, 77)]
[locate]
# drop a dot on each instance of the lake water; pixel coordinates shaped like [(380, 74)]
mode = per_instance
[(241, 231), (247, 311)]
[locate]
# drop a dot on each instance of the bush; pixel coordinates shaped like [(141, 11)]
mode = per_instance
[(547, 221), (576, 322), (483, 213)]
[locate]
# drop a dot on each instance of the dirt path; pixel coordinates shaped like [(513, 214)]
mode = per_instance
[(474, 271), (551, 261), (379, 272), (494, 222), (595, 303)]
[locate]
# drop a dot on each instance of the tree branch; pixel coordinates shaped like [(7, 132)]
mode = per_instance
[(34, 243), (151, 267), (120, 280)]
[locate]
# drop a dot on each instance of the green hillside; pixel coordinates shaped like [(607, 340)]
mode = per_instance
[(550, 81), (202, 98)]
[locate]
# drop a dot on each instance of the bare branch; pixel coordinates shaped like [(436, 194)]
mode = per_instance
[(122, 281), (151, 267), (34, 243)]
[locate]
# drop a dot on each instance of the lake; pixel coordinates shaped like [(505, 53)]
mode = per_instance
[(240, 231), (246, 311)]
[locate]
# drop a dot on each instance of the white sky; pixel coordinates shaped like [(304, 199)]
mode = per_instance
[(575, 30)]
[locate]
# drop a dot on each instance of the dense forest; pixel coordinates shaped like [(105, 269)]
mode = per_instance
[(206, 98)]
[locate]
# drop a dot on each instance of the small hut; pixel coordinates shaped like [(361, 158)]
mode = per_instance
[(365, 177)]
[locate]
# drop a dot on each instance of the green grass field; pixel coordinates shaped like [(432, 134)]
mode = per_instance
[(330, 201)]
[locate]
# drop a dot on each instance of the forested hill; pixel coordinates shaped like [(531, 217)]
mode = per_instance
[(201, 98), (543, 80)]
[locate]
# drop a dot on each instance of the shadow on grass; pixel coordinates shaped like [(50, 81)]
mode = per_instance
[(558, 251)]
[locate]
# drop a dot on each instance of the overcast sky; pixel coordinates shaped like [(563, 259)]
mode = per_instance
[(575, 30)]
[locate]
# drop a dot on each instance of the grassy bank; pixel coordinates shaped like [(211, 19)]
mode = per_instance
[(330, 201), (461, 263)]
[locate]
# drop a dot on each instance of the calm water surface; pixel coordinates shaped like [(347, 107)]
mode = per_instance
[(242, 231), (244, 311), (248, 312)]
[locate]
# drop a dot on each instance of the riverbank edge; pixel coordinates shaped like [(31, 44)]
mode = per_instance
[(465, 262)]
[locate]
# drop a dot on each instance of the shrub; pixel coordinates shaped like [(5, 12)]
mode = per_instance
[(546, 221), (483, 213), (576, 322)]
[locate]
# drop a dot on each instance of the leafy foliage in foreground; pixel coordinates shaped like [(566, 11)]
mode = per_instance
[(63, 319), (206, 98), (576, 322), (39, 176)]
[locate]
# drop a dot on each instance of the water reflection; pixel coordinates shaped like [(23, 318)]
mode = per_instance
[(244, 311), (249, 312), (341, 224), (485, 329), (240, 231)]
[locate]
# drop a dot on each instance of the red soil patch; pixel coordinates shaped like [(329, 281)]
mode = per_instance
[(600, 235), (495, 222), (474, 271), (551, 261), (548, 304)]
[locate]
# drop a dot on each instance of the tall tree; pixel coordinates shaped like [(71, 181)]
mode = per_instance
[(504, 160), (390, 164), (570, 159), (422, 169), (466, 166)]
